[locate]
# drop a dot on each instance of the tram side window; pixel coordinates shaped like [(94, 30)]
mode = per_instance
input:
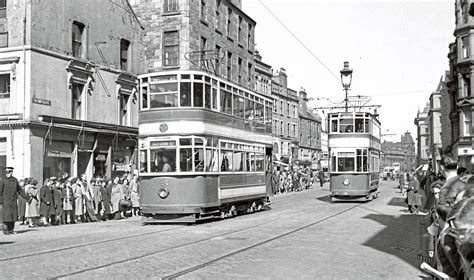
[(185, 94), (239, 161), (207, 96), (346, 126), (361, 160), (198, 94), (334, 125), (367, 125), (226, 161), (185, 159), (238, 106), (143, 161), (162, 160), (345, 164), (359, 125), (163, 95), (259, 162), (199, 159), (212, 160)]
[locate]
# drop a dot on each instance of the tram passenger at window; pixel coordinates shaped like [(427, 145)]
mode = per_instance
[(166, 165), (157, 163)]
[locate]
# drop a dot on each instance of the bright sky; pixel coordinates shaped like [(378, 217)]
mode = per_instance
[(397, 50)]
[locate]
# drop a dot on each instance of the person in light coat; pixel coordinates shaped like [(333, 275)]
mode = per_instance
[(134, 196), (116, 195), (33, 203)]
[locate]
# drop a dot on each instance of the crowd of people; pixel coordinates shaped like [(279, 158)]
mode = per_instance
[(295, 179), (68, 200), (449, 203)]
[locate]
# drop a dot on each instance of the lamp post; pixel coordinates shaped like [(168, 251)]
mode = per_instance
[(346, 79)]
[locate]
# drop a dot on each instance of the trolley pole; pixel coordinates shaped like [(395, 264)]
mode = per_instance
[(346, 79)]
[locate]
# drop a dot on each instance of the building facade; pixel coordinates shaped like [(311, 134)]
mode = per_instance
[(423, 136), (435, 131), (263, 76), (68, 100), (285, 119), (402, 152), (309, 133)]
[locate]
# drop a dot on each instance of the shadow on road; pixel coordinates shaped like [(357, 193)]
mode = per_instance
[(6, 242), (401, 237)]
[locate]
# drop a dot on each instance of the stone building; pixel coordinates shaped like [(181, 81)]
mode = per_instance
[(285, 118), (402, 152), (309, 133), (461, 86), (423, 136), (68, 102), (263, 76), (435, 129)]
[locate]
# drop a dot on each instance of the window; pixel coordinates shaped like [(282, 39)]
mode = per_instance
[(249, 37), (123, 109), (239, 65), (171, 48), (218, 15), (5, 84), (346, 126), (144, 98), (467, 86), (465, 47), (124, 54), (226, 102), (203, 10), (76, 91), (185, 94), (229, 66), (3, 24), (164, 94), (171, 6), (249, 75), (345, 162), (239, 30), (229, 22), (198, 99), (77, 34), (203, 48), (218, 60)]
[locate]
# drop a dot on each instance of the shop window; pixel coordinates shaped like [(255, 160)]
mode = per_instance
[(77, 39), (171, 48), (171, 6), (77, 103), (124, 54)]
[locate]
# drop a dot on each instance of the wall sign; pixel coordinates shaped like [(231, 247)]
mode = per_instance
[(41, 101)]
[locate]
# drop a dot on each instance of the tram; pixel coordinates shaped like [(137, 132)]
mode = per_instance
[(205, 145), (354, 151)]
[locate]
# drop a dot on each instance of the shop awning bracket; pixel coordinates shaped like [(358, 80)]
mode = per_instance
[(49, 134)]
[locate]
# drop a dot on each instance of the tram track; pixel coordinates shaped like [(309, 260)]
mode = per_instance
[(216, 236)]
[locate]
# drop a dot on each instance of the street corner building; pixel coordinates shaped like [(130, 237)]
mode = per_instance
[(68, 87)]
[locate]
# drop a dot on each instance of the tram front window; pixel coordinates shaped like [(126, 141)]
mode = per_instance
[(345, 164), (162, 160), (346, 126)]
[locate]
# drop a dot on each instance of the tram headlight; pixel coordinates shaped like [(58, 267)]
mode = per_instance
[(163, 193), (346, 182)]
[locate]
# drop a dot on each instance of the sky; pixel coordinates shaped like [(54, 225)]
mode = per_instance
[(397, 50)]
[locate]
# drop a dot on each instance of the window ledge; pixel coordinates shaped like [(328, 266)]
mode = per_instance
[(171, 13)]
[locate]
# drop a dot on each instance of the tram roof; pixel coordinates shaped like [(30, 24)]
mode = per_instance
[(375, 117)]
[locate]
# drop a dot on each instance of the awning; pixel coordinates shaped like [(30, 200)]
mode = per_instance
[(277, 162)]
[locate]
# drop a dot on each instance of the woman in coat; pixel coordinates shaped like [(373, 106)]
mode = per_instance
[(22, 202), (33, 202), (105, 211), (58, 198), (46, 206), (68, 203), (116, 195), (78, 200), (134, 196), (413, 197)]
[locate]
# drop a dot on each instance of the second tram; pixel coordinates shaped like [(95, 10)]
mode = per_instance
[(354, 151)]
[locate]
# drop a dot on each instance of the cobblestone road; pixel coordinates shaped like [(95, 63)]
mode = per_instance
[(303, 236)]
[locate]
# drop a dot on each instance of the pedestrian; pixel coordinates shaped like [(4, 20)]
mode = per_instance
[(321, 177), (105, 193), (22, 202), (9, 191), (78, 200), (33, 203), (58, 199), (413, 197), (46, 206), (96, 199), (134, 195), (115, 197), (68, 203)]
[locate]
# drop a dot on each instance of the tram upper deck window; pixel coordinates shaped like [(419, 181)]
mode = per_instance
[(346, 126), (163, 95), (198, 94), (226, 102), (359, 125), (334, 125), (185, 94), (238, 106)]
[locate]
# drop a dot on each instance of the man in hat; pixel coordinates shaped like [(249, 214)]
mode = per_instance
[(9, 191)]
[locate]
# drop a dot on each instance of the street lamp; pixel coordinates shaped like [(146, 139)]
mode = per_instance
[(346, 79)]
